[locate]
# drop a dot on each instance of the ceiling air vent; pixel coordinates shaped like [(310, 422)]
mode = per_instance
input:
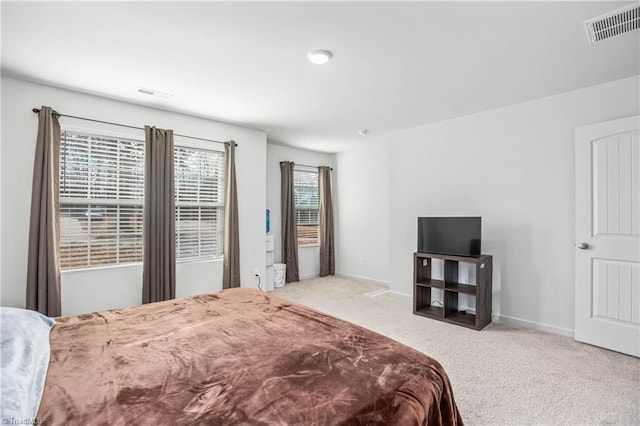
[(613, 24)]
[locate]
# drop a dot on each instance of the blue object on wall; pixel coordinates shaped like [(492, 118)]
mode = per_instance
[(268, 220)]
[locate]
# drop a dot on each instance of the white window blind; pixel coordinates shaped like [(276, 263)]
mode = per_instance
[(199, 186), (305, 183), (101, 199)]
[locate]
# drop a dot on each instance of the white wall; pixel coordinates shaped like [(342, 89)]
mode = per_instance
[(364, 193), (308, 257), (513, 166), (91, 290)]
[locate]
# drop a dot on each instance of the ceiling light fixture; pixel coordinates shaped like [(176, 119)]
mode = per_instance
[(363, 132), (319, 57)]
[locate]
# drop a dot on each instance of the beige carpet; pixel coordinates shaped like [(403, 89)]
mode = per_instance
[(501, 375)]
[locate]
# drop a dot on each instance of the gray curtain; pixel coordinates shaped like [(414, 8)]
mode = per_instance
[(231, 262), (327, 256), (289, 230), (43, 265), (159, 239)]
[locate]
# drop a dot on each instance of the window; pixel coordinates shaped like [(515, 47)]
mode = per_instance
[(102, 197), (305, 188), (199, 181)]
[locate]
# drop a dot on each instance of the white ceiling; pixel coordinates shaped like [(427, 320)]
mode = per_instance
[(395, 65)]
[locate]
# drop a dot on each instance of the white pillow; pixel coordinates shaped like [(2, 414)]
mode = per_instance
[(24, 360)]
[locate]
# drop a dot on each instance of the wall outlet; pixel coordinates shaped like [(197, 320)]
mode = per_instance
[(256, 272), (362, 260)]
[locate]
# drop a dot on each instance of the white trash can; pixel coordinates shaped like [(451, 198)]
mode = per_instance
[(279, 274)]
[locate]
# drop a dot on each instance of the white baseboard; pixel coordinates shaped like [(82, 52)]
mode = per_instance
[(504, 319), (364, 279), (309, 276), (519, 322), (401, 295)]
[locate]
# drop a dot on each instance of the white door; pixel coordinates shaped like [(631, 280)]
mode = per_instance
[(607, 253)]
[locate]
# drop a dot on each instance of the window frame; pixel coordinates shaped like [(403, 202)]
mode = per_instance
[(100, 130), (181, 141), (114, 131), (314, 170)]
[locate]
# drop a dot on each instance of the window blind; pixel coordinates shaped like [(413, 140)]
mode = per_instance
[(306, 196), (101, 199), (199, 186)]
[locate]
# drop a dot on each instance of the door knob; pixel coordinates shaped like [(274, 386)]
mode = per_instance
[(582, 246)]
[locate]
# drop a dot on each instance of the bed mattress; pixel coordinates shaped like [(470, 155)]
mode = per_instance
[(236, 357)]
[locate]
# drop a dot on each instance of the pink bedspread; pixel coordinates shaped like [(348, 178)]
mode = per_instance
[(236, 357)]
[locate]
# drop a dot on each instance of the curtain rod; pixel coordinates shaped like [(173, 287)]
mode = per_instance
[(305, 165), (37, 110)]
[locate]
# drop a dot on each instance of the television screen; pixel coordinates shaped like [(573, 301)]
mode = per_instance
[(458, 236)]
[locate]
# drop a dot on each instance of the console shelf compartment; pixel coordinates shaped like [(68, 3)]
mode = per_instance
[(450, 287)]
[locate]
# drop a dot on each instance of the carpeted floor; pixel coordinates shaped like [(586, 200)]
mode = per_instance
[(501, 375)]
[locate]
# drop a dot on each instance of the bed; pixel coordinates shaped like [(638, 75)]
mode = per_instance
[(236, 357)]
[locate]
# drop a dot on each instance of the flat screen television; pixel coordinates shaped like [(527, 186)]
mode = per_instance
[(458, 236)]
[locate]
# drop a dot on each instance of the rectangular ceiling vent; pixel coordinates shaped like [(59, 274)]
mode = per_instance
[(613, 24)]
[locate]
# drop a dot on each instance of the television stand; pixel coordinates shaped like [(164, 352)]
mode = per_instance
[(446, 289)]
